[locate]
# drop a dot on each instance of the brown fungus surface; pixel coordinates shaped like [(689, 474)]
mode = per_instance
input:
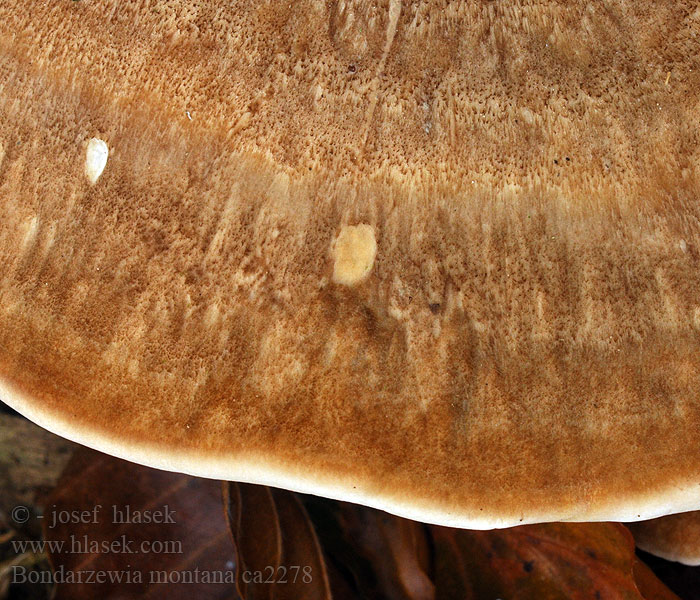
[(673, 537), (512, 190)]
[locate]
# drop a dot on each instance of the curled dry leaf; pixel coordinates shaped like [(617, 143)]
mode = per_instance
[(301, 549), (278, 553), (383, 556), (102, 546), (255, 530)]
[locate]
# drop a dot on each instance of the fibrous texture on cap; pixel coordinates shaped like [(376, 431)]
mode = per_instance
[(673, 537), (438, 257)]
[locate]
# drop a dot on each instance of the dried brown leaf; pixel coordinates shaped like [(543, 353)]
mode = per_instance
[(567, 561), (649, 585), (398, 549), (108, 554), (255, 530), (682, 580), (379, 555), (278, 553)]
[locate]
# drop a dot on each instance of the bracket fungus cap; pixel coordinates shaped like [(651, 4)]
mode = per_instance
[(437, 257), (674, 537)]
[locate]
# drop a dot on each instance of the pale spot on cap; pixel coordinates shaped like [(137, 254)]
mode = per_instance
[(354, 252), (95, 159)]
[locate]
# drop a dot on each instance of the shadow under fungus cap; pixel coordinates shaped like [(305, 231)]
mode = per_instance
[(437, 257)]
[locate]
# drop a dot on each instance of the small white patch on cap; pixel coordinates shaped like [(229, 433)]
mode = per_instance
[(354, 252), (696, 317), (683, 245), (95, 159), (31, 229)]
